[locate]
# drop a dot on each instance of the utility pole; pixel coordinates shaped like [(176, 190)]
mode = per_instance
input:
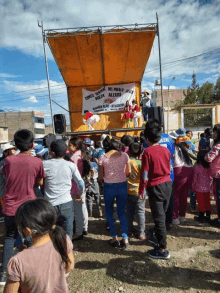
[(47, 71)]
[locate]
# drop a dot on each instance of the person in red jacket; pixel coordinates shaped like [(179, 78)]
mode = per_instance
[(155, 174), (135, 113), (127, 113)]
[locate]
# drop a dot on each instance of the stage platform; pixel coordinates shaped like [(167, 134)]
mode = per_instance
[(105, 131)]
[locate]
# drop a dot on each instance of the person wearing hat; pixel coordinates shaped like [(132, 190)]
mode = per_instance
[(181, 132), (7, 150), (146, 103), (58, 184), (90, 120), (88, 143)]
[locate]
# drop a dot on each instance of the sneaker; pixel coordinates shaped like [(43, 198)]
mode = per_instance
[(182, 219), (176, 221), (2, 219), (3, 278), (115, 243), (100, 213), (141, 236), (215, 223), (123, 245), (152, 240), (200, 221), (85, 232), (157, 253)]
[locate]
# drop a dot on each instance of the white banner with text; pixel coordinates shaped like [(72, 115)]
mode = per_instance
[(110, 98)]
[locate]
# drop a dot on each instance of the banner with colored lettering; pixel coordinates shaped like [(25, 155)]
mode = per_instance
[(110, 98)]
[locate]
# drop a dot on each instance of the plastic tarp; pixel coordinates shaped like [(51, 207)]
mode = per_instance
[(90, 61)]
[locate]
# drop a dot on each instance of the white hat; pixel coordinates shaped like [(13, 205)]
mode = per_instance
[(7, 146), (103, 136)]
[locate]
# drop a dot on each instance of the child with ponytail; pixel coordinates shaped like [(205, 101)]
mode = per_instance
[(44, 266)]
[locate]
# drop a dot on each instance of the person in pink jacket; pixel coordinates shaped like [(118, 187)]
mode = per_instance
[(213, 157), (201, 184)]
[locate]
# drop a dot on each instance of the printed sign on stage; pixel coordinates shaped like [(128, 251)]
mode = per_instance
[(110, 98)]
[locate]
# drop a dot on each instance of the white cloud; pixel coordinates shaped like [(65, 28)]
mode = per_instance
[(6, 75), (186, 28), (32, 99)]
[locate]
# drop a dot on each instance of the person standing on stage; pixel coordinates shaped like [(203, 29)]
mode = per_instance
[(146, 103)]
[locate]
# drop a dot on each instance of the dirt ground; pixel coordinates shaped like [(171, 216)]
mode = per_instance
[(194, 265)]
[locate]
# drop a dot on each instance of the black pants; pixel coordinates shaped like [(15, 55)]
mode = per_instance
[(170, 209), (159, 197)]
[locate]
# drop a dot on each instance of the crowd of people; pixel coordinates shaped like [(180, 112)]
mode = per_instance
[(47, 196)]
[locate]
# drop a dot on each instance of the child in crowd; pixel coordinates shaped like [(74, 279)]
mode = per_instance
[(44, 266), (97, 152), (182, 182), (189, 134), (126, 140), (155, 173), (92, 188), (181, 135), (206, 142), (135, 206), (19, 188), (58, 184), (213, 157), (79, 157), (7, 150), (201, 185)]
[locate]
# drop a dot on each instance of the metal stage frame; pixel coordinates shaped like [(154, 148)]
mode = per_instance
[(106, 131), (100, 30)]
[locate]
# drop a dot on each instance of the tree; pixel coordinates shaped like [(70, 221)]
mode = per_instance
[(191, 95), (217, 90), (205, 93)]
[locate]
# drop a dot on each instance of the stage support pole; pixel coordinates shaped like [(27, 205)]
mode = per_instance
[(47, 71), (161, 78)]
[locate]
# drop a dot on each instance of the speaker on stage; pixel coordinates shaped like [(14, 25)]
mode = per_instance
[(155, 113), (59, 123)]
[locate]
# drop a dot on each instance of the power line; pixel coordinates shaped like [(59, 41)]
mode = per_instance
[(167, 64), (36, 89)]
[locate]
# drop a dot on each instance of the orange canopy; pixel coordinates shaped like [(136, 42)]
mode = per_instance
[(93, 58)]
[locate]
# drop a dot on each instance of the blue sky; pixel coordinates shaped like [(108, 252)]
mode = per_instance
[(188, 28)]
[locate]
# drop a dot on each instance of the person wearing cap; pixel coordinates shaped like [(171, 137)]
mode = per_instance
[(146, 103), (58, 184), (181, 135), (88, 143)]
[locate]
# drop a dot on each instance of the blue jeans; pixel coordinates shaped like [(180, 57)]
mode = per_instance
[(145, 113), (65, 217), (110, 192), (135, 206), (11, 234)]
